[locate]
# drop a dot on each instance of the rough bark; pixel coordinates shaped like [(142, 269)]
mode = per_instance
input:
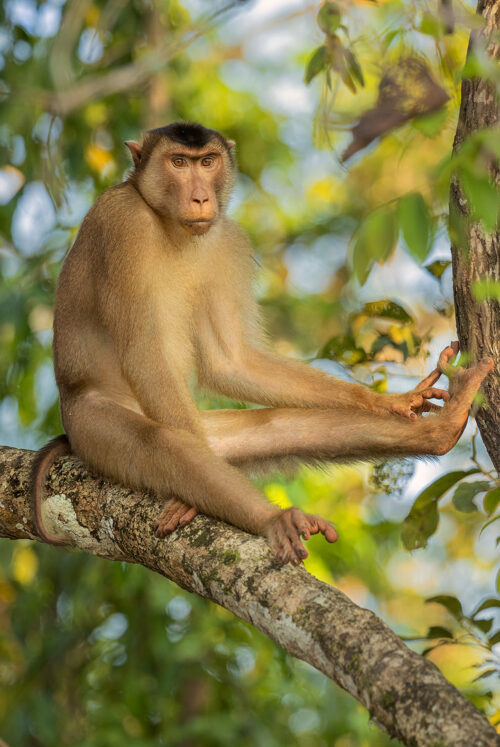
[(405, 694), (478, 324)]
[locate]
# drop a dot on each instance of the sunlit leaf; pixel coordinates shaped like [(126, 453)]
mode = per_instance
[(416, 225), (451, 603), (437, 267), (388, 310), (486, 673), (343, 348)]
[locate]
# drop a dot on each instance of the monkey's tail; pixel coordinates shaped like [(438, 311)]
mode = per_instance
[(42, 462)]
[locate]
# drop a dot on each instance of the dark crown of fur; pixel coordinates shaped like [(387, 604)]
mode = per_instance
[(191, 134)]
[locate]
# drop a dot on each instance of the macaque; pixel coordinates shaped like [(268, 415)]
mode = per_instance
[(157, 287)]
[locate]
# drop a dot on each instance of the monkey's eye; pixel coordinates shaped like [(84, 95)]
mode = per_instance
[(179, 162), (208, 161)]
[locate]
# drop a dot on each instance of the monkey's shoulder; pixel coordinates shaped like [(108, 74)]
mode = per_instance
[(120, 209), (236, 238)]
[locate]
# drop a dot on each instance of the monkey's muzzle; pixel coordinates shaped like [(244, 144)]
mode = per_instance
[(198, 227)]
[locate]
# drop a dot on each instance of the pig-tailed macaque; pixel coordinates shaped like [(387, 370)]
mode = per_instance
[(158, 286)]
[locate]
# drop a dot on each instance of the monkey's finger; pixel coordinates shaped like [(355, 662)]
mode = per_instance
[(301, 523), (292, 531), (447, 355), (298, 548), (433, 393), (429, 380), (287, 553), (188, 516), (170, 507), (170, 524), (327, 529)]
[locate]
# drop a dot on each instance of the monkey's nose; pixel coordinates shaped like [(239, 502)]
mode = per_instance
[(200, 200)]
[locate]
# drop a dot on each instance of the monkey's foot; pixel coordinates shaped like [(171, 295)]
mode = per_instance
[(175, 514), (284, 534), (464, 385)]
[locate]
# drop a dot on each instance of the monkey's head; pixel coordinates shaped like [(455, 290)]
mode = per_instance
[(185, 172)]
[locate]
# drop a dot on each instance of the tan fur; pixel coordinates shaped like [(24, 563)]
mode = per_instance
[(147, 298)]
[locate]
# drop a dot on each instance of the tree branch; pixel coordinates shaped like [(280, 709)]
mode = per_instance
[(405, 694), (478, 257)]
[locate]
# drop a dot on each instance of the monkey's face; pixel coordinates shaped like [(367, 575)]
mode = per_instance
[(190, 185)]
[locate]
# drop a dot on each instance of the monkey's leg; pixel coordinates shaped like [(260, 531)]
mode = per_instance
[(129, 448), (246, 437)]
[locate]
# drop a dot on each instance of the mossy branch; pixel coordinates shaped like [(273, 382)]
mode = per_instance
[(406, 695)]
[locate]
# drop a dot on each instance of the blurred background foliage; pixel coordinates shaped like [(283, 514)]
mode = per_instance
[(348, 215)]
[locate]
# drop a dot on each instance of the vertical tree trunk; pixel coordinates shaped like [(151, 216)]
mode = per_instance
[(478, 324)]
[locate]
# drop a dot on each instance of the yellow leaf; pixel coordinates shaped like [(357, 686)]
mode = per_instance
[(99, 159), (277, 494), (25, 565), (96, 114), (92, 16)]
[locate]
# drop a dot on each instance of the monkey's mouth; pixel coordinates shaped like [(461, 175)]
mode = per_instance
[(198, 227)]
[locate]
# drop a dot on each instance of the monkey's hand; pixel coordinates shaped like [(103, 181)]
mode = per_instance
[(284, 534), (175, 514), (412, 404)]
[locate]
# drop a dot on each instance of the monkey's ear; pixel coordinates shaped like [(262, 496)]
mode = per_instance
[(230, 144), (135, 151)]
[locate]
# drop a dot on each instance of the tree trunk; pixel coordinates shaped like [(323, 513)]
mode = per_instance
[(406, 695), (478, 324)]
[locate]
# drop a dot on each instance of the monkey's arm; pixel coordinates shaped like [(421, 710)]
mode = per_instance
[(241, 370)]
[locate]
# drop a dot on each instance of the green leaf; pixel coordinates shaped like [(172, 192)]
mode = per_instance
[(432, 124), (465, 493), (343, 348), (374, 241), (354, 67), (452, 604), (436, 631), (387, 310), (416, 225), (318, 62), (483, 197), (423, 519), (484, 625), (431, 26), (487, 604), (437, 267), (494, 639), (486, 289), (329, 18), (491, 500), (491, 521)]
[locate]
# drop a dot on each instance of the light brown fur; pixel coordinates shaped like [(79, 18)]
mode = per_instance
[(158, 287)]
